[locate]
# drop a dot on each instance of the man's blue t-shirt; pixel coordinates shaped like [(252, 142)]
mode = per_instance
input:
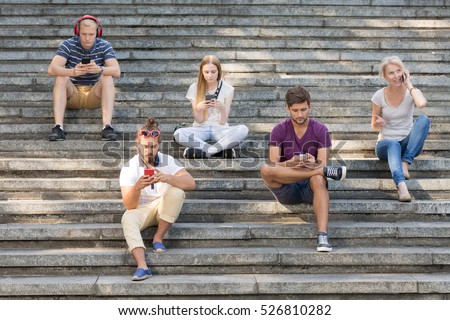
[(283, 135), (72, 50)]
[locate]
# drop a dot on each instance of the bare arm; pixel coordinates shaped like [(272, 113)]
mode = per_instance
[(112, 68), (182, 179), (224, 108), (296, 162), (57, 67), (198, 108), (377, 121), (419, 99), (131, 195)]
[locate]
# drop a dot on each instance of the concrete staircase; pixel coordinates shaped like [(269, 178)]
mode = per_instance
[(60, 206)]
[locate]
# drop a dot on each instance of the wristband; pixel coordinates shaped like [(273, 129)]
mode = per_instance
[(410, 90), (101, 70)]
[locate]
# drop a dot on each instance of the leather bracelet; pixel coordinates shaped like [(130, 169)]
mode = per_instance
[(410, 90), (101, 70)]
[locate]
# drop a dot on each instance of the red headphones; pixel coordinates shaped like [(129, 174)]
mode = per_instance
[(76, 27)]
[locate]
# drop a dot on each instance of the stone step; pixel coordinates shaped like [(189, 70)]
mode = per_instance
[(177, 110), (228, 260), (239, 54), (298, 234), (213, 188), (220, 210), (272, 16), (432, 85), (127, 131), (238, 286), (25, 71), (261, 96), (241, 167), (387, 9), (288, 43)]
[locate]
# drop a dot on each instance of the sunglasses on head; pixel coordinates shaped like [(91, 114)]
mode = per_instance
[(150, 133)]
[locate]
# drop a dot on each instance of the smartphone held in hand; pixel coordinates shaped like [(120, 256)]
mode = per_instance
[(209, 97), (149, 172)]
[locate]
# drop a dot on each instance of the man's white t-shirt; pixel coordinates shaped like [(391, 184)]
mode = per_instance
[(134, 169)]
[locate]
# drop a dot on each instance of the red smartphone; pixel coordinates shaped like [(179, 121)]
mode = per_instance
[(149, 172)]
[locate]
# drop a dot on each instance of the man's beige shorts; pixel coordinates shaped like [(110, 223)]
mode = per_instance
[(84, 98)]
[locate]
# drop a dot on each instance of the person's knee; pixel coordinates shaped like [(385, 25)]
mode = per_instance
[(243, 130), (318, 182), (423, 121), (106, 81), (177, 134), (127, 218), (267, 172), (61, 82), (174, 194)]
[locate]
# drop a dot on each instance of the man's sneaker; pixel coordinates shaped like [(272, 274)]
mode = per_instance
[(322, 242), (192, 153), (57, 134), (108, 133), (141, 274), (335, 173)]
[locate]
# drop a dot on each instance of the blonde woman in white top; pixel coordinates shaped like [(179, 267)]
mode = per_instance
[(211, 99), (400, 139)]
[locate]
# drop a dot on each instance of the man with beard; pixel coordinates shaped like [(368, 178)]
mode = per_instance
[(152, 185), (298, 158)]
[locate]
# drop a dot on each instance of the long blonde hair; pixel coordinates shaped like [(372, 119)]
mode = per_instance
[(201, 82)]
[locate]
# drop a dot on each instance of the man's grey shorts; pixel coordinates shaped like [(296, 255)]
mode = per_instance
[(294, 193)]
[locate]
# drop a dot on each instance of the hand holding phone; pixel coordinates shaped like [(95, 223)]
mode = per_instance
[(149, 172), (301, 156)]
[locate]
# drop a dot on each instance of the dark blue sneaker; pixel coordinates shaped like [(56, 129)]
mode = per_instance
[(322, 242), (141, 274), (335, 173), (108, 134), (57, 134)]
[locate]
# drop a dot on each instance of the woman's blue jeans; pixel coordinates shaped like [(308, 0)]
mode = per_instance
[(405, 150)]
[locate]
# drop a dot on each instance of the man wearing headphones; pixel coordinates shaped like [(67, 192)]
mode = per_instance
[(84, 67)]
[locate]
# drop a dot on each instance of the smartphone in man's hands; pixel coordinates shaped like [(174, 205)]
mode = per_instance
[(85, 61), (301, 156), (149, 172)]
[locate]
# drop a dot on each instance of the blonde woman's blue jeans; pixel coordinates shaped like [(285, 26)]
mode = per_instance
[(406, 150)]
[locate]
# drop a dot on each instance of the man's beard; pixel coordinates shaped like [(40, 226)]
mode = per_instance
[(300, 120), (149, 160)]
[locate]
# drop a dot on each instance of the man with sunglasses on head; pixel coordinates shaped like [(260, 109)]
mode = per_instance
[(84, 67), (152, 199)]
